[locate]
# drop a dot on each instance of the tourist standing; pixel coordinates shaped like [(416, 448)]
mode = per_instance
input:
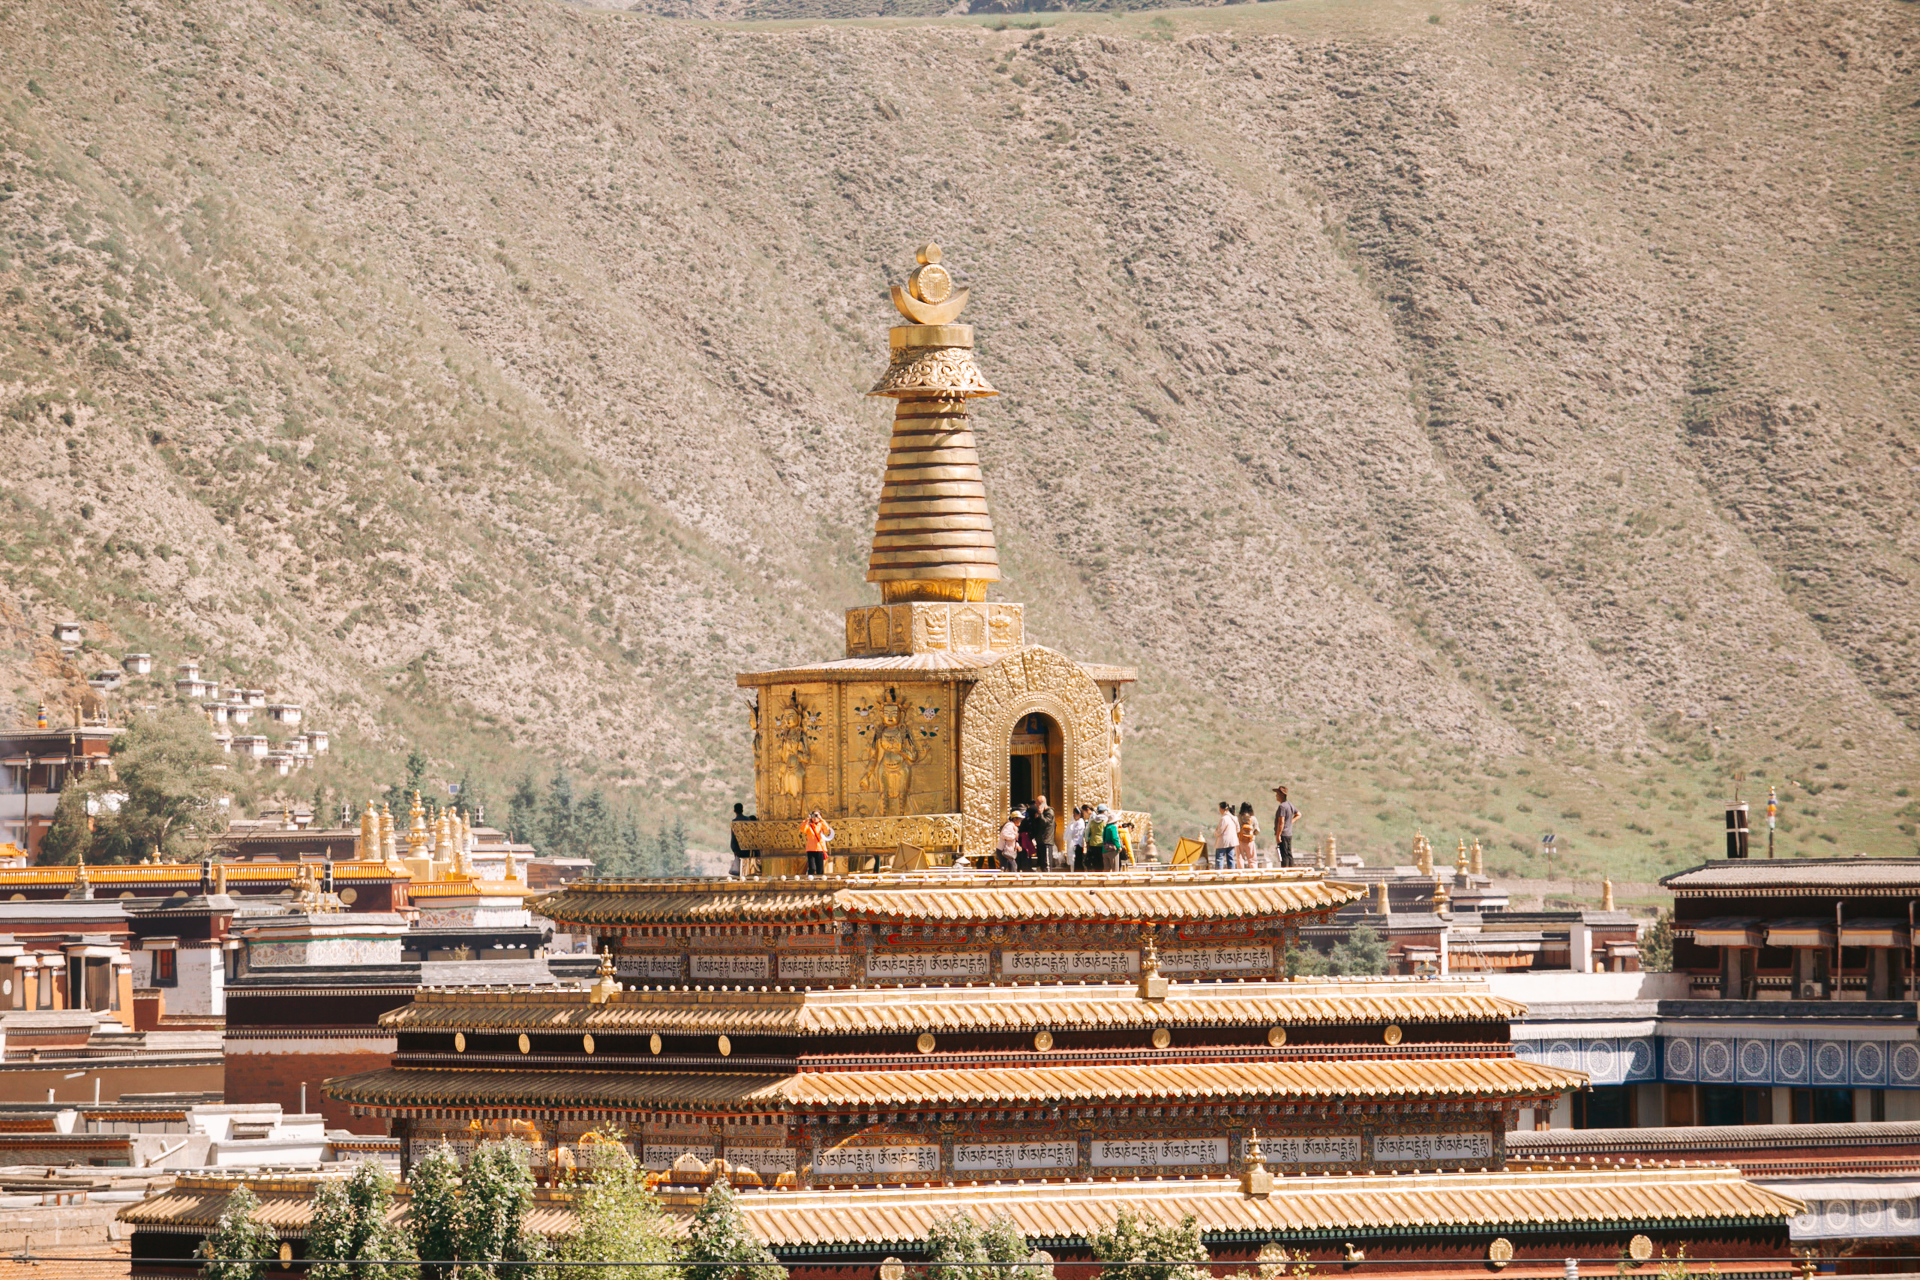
[(1035, 830), (1077, 838), (1226, 834), (1103, 841), (818, 836), (740, 855), (1008, 850), (1284, 816), (1247, 841)]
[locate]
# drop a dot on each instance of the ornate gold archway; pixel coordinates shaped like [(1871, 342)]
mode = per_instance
[(1032, 679)]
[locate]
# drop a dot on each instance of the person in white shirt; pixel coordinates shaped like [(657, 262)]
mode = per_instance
[(1077, 839), (1225, 836)]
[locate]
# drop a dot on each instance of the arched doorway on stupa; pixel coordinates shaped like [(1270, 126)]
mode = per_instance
[(1036, 764)]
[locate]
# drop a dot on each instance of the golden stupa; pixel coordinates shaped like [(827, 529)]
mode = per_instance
[(941, 716)]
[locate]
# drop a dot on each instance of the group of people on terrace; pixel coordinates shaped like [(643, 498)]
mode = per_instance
[(1096, 839), (1236, 835)]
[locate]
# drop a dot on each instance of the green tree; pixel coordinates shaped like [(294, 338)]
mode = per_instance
[(618, 1215), (1305, 962), (496, 1194), (1656, 944), (466, 1222), (1137, 1248), (557, 817), (959, 1248), (1363, 951), (417, 763), (239, 1248), (436, 1213), (160, 795), (720, 1247), (523, 812), (352, 1222)]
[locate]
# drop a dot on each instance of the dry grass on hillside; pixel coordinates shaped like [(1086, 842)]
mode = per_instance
[(1479, 414)]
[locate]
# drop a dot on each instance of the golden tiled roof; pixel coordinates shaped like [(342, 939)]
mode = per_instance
[(1160, 895), (1345, 1079), (194, 1204), (915, 1009), (187, 874), (1299, 1207)]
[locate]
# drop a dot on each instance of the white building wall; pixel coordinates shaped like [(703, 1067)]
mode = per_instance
[(203, 983)]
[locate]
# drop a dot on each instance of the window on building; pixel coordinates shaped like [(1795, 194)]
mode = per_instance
[(1604, 1107), (1735, 1104), (166, 970), (43, 983), (17, 989), (1823, 1106)]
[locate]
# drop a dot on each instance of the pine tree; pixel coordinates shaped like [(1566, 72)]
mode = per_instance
[(417, 763), (352, 1223), (1656, 944), (523, 814), (1139, 1248), (557, 817), (720, 1247), (239, 1248), (1363, 952)]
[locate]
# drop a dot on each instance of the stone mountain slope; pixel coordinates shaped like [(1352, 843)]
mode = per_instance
[(1443, 404)]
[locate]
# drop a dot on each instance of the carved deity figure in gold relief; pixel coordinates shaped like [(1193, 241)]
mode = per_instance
[(793, 747), (892, 751)]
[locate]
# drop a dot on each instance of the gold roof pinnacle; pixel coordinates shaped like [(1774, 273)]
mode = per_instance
[(933, 539)]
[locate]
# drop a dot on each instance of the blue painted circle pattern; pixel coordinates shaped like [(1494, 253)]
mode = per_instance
[(1716, 1060), (1829, 1061), (1867, 1213), (1869, 1060), (1839, 1213), (1753, 1059), (1602, 1062), (1906, 1062), (1563, 1055), (1790, 1056), (1640, 1060), (1680, 1059)]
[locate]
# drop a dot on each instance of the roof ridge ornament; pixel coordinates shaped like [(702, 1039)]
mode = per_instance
[(930, 296)]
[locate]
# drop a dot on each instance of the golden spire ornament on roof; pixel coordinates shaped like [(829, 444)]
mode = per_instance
[(933, 539)]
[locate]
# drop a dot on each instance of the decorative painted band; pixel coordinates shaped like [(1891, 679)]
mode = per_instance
[(922, 830), (1733, 1060)]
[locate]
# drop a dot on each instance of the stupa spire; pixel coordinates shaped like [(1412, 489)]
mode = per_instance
[(934, 538)]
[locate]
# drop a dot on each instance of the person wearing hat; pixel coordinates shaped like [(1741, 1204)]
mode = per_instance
[(818, 836), (1008, 849), (1284, 816)]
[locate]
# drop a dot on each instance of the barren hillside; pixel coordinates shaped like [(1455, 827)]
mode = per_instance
[(1495, 415)]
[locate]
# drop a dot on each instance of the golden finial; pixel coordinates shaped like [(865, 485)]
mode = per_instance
[(1460, 862), (930, 296), (1255, 1180), (1479, 861), (605, 985), (1606, 895), (1153, 985), (386, 832)]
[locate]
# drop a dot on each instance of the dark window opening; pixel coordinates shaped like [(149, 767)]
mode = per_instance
[(1823, 1106)]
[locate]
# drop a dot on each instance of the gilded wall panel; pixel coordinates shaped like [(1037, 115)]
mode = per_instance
[(1034, 679), (898, 749)]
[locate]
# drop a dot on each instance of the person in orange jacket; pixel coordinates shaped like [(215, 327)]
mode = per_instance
[(819, 835)]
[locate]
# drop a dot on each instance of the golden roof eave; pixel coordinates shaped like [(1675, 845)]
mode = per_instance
[(953, 897), (1312, 1207), (1369, 1080), (910, 1010)]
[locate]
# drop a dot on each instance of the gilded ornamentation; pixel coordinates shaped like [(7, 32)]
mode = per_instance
[(936, 628), (930, 297), (1001, 629), (922, 830), (793, 730), (893, 748), (932, 370), (1033, 679)]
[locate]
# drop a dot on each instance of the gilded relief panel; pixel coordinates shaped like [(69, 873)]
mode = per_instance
[(898, 748), (797, 750)]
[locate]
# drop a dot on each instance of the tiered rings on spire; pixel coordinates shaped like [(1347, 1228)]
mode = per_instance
[(934, 538)]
